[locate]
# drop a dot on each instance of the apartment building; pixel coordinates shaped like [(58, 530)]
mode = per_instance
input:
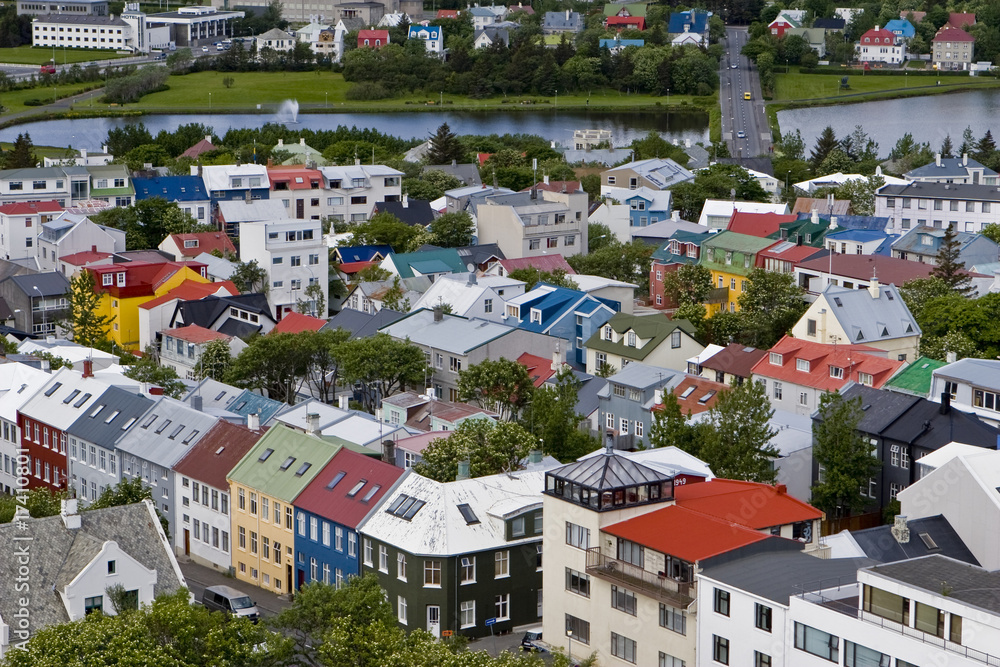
[(530, 224), (295, 255), (354, 189), (965, 207)]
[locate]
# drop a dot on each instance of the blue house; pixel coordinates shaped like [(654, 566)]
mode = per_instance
[(901, 27), (361, 253), (618, 44), (188, 192), (329, 511), (560, 312), (692, 20), (861, 242), (647, 206)]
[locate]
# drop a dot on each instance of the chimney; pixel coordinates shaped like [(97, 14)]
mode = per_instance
[(937, 159), (389, 452), (950, 357), (70, 515), (965, 159), (199, 174), (657, 397), (833, 222), (472, 278), (899, 529), (156, 391), (343, 401), (781, 489), (253, 421), (557, 361), (312, 423), (535, 456), (875, 288), (246, 199), (454, 162), (93, 248), (281, 142), (198, 403), (406, 201), (88, 368), (430, 393), (463, 470), (567, 14), (675, 215), (302, 141), (438, 313), (945, 403), (208, 138), (814, 217)]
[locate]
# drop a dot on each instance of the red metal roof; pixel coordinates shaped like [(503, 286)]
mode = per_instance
[(206, 463), (196, 334), (890, 270), (539, 368), (190, 290), (141, 278), (297, 177), (786, 251), (84, 258), (31, 208), (735, 359), (760, 225), (335, 504), (297, 322), (961, 19), (202, 146), (702, 395), (374, 34), (350, 268), (448, 13), (852, 359), (545, 263), (756, 506), (880, 36), (637, 21), (950, 33), (207, 242)]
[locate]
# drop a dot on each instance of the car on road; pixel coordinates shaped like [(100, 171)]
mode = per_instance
[(741, 134), (734, 66), (747, 96), (47, 69), (532, 641), (204, 49), (230, 600)]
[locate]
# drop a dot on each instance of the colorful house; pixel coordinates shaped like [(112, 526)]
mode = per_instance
[(372, 38), (730, 256)]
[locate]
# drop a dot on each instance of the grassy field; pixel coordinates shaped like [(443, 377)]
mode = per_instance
[(40, 151), (30, 55), (13, 101), (801, 87)]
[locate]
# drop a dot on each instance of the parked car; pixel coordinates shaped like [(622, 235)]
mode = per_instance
[(47, 69), (532, 641), (230, 600)]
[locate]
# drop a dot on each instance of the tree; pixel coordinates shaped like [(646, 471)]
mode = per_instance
[(598, 234), (386, 229), (861, 193), (825, 143), (323, 362), (445, 147), (919, 292), (554, 419), (953, 342), (672, 428), (314, 302), (276, 363), (250, 278), (393, 298), (40, 502), (22, 154), (453, 230), (490, 448), (532, 276), (655, 146), (770, 305), (431, 184), (947, 150), (628, 262), (949, 268), (738, 446), (791, 145), (503, 386), (992, 232), (148, 369), (846, 459), (215, 361), (381, 366), (88, 325), (719, 181), (689, 284)]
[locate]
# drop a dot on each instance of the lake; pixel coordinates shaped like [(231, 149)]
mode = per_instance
[(928, 119), (556, 126)]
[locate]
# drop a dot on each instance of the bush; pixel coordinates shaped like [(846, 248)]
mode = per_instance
[(367, 91), (35, 102)]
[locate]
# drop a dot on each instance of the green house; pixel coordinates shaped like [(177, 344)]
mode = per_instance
[(111, 183)]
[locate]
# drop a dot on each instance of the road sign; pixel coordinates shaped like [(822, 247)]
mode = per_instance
[(490, 621), (447, 633)]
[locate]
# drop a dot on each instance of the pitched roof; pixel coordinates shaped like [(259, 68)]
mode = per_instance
[(212, 457), (736, 359), (539, 368), (866, 319), (283, 462), (787, 251), (880, 545), (653, 328), (122, 409), (30, 208), (609, 470), (916, 378), (297, 322), (451, 334), (955, 167), (722, 499), (661, 172), (173, 188), (189, 290), (415, 211), (85, 258), (362, 253), (983, 372), (348, 487), (50, 283), (166, 432), (862, 267), (880, 36), (697, 21), (193, 333), (426, 262), (757, 224), (961, 19), (203, 242), (51, 405), (202, 146), (362, 325), (853, 360), (544, 263), (697, 394), (822, 206), (832, 23), (208, 310)]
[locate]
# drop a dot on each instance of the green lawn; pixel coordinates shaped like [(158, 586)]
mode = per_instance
[(30, 55), (40, 151), (797, 87), (13, 101)]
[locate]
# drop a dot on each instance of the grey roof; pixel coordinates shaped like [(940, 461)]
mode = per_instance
[(122, 410), (169, 445), (777, 576), (951, 167), (960, 191), (467, 173), (642, 376), (55, 552), (477, 254), (866, 319), (611, 470), (453, 333), (89, 19), (50, 284), (559, 21), (587, 397), (494, 34), (605, 156), (657, 232), (981, 372), (83, 550), (362, 325), (215, 395), (969, 584), (878, 543)]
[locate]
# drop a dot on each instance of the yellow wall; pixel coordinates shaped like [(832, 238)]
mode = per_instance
[(734, 294), (274, 573)]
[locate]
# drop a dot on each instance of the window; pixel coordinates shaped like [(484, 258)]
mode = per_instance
[(401, 609), (401, 566), (501, 564), (578, 629), (856, 655), (675, 339), (577, 536), (623, 647), (242, 537), (865, 379), (578, 582), (368, 552), (721, 602), (623, 600), (802, 365), (836, 372), (488, 305), (383, 558), (761, 659), (253, 541), (432, 573), (762, 617), (468, 613), (517, 527), (503, 607), (720, 649), (673, 619), (980, 399), (777, 390), (468, 569), (803, 398), (817, 642), (630, 552), (810, 327), (90, 605), (313, 529), (669, 661), (775, 359)]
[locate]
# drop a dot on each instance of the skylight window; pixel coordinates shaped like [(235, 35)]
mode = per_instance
[(706, 398), (336, 479), (73, 394), (176, 432), (412, 512), (688, 392), (53, 389), (266, 455), (401, 498), (190, 436), (288, 463), (219, 450), (302, 469), (97, 411), (111, 418), (162, 427), (836, 300), (467, 514), (149, 422), (129, 423), (371, 492), (357, 487), (928, 541), (219, 397)]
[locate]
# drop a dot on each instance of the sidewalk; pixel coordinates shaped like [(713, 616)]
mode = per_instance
[(199, 577)]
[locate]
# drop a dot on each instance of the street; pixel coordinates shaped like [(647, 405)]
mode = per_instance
[(740, 115)]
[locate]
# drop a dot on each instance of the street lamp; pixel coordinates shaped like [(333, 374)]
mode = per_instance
[(569, 653), (326, 100), (210, 102)]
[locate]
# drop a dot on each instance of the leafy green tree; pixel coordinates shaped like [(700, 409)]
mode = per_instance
[(88, 325), (445, 147), (430, 185), (393, 298), (689, 284), (791, 145), (386, 229), (672, 428), (22, 154), (215, 361), (954, 342), (148, 369), (125, 492), (770, 305), (949, 268), (655, 146), (39, 502), (490, 447), (250, 278), (845, 457), (992, 232), (719, 181), (628, 262), (323, 362), (381, 365), (503, 386), (739, 443), (861, 194), (314, 302), (947, 149), (919, 292), (598, 234), (553, 418), (532, 276), (276, 363), (453, 230)]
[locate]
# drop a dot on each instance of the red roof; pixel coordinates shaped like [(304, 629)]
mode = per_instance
[(448, 13), (141, 278), (735, 359), (218, 452), (684, 533), (890, 270), (295, 177), (751, 504), (880, 36), (760, 225), (372, 36), (418, 443), (190, 290), (539, 368), (193, 333), (527, 9), (335, 504), (86, 257), (952, 34), (852, 359), (206, 242), (697, 394), (786, 251), (297, 322), (961, 19), (31, 208), (545, 263), (350, 268), (637, 21), (202, 146)]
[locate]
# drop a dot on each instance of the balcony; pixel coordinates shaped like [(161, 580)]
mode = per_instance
[(931, 640), (675, 593), (718, 295)]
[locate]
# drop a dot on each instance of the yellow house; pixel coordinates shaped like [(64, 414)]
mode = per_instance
[(731, 257), (263, 486), (124, 287)]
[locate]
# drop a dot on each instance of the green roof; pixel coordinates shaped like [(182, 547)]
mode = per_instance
[(653, 328), (812, 233), (742, 246), (634, 9), (291, 449), (916, 378), (663, 252), (433, 261)]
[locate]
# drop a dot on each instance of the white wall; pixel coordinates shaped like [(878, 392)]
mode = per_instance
[(739, 627), (191, 510), (94, 579)]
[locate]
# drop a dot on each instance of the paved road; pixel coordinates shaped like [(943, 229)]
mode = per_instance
[(199, 577), (740, 115)]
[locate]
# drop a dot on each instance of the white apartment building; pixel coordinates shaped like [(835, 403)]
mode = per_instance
[(354, 189), (36, 185), (70, 233), (18, 383), (536, 223), (966, 207), (972, 385), (294, 254), (20, 225), (881, 46), (82, 32)]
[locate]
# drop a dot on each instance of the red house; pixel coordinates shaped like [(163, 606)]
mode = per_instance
[(779, 26), (623, 22), (373, 38)]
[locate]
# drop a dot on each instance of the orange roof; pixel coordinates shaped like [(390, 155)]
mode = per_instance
[(206, 242), (190, 290), (760, 225), (696, 394), (350, 268), (193, 333), (448, 13), (751, 504), (295, 176), (297, 322), (684, 533), (30, 208), (851, 359), (539, 368)]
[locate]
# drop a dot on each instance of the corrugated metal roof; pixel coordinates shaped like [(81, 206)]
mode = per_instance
[(214, 455), (122, 410), (166, 432), (348, 488), (277, 473)]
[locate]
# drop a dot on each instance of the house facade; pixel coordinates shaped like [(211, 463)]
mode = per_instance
[(529, 224), (295, 255), (655, 340), (730, 257), (952, 49), (626, 402), (880, 46), (965, 207)]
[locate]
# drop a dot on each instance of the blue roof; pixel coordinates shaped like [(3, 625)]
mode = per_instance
[(553, 302), (696, 19), (428, 261), (434, 30), (362, 253), (612, 43), (901, 27), (865, 236), (171, 188), (249, 403)]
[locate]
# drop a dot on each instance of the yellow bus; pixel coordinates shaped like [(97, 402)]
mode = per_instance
[(746, 96)]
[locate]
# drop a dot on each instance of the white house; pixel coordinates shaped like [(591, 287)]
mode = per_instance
[(181, 348), (469, 296), (881, 46), (432, 36), (18, 383), (19, 227), (275, 39), (355, 189), (716, 213), (972, 385), (295, 256)]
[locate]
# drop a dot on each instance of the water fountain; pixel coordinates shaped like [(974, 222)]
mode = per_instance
[(288, 112)]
